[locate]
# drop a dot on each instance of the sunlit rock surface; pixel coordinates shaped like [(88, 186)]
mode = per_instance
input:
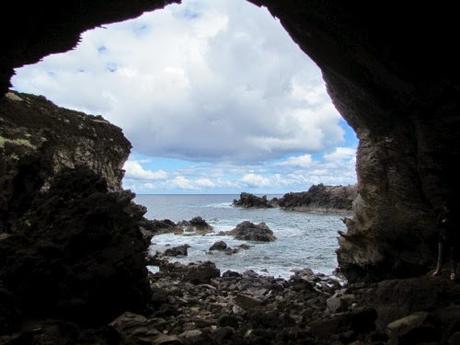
[(39, 139)]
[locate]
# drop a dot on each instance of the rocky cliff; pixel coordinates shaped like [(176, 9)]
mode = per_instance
[(39, 139), (70, 243)]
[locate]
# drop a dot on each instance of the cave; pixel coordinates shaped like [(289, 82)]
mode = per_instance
[(390, 69)]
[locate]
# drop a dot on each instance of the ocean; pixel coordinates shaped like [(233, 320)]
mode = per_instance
[(304, 239)]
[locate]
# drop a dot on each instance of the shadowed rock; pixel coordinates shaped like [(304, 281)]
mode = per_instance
[(77, 253), (219, 245), (177, 251)]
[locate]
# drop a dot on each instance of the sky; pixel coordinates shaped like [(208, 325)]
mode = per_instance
[(214, 96)]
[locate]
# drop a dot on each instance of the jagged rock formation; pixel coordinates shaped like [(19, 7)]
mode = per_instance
[(39, 139), (77, 254), (248, 200), (394, 84), (320, 197)]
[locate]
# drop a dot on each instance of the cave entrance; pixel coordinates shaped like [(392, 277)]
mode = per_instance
[(216, 99)]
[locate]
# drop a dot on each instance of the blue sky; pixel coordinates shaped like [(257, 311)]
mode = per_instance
[(214, 96)]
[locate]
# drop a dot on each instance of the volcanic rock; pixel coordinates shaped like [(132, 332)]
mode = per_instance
[(320, 197), (248, 200), (248, 231), (219, 245), (196, 273), (39, 139), (177, 251), (197, 225), (76, 251)]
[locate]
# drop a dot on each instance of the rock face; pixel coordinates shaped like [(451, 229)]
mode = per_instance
[(248, 231), (407, 122), (248, 200), (320, 197), (77, 253), (39, 139)]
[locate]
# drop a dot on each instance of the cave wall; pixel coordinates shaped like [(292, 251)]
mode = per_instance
[(390, 69), (390, 72)]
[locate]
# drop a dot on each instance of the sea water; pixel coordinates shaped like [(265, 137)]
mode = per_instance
[(304, 239)]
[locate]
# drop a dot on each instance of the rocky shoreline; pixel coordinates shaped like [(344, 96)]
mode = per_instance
[(73, 261), (319, 198)]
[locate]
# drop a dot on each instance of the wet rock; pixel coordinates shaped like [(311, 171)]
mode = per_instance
[(248, 200), (219, 245), (177, 251), (248, 231), (197, 225)]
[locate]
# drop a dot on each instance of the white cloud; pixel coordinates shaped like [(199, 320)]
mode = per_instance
[(254, 180), (204, 80), (204, 183), (183, 182), (134, 170), (341, 154), (303, 161)]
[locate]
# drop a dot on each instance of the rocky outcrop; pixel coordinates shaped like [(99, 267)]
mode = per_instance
[(39, 139), (320, 197), (248, 200), (197, 225), (77, 254), (150, 228), (248, 231)]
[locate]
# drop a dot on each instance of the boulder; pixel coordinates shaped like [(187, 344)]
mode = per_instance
[(248, 231), (219, 245), (177, 251), (196, 224), (196, 273)]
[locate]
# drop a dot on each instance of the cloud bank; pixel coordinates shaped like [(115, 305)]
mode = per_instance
[(204, 80)]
